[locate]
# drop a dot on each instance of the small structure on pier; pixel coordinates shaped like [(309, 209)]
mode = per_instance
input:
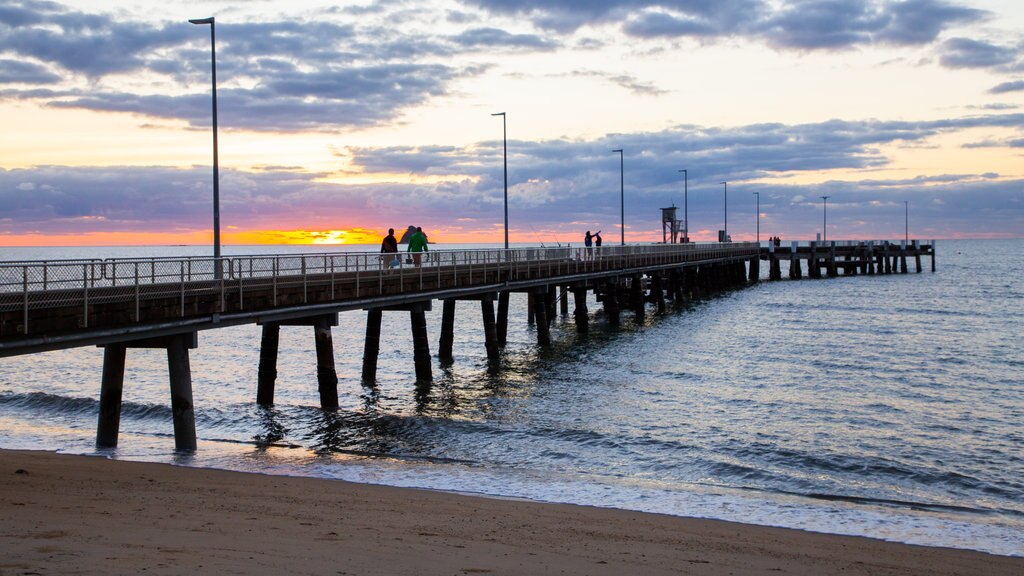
[(670, 226)]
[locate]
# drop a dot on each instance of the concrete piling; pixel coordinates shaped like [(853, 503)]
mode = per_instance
[(266, 375), (111, 388), (371, 346)]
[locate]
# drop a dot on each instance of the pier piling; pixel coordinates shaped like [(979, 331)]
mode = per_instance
[(420, 343), (371, 347), (541, 308), (502, 327), (490, 331), (611, 302), (110, 396), (266, 376), (447, 340), (581, 315), (182, 410), (326, 375)]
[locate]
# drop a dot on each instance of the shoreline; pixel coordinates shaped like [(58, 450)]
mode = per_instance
[(89, 515)]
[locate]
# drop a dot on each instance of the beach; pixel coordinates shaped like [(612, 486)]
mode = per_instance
[(66, 514)]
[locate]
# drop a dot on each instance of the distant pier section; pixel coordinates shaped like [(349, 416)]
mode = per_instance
[(164, 303)]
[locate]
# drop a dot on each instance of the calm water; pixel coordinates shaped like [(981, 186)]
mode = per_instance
[(886, 406)]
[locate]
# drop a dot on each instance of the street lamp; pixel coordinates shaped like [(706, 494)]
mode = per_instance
[(757, 217), (622, 195), (504, 136), (906, 222), (726, 197), (686, 212), (218, 274), (824, 219)]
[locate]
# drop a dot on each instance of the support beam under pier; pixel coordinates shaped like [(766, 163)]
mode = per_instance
[(266, 376), (420, 343), (540, 310), (180, 376), (371, 346), (110, 396), (502, 327), (447, 340), (490, 330), (582, 316)]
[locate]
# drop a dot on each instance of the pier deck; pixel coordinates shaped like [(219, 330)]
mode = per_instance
[(164, 302)]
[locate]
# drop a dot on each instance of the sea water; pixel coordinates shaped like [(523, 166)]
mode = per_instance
[(881, 406)]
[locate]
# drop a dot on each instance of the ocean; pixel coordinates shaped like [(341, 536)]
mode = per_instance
[(880, 406)]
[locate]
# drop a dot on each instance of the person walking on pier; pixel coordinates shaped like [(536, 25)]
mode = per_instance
[(417, 244), (389, 247), (588, 242), (597, 240)]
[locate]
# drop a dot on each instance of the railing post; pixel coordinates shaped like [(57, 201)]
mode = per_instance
[(85, 294), (24, 290), (183, 288), (136, 291)]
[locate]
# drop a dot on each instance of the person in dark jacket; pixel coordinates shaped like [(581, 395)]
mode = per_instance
[(389, 246)]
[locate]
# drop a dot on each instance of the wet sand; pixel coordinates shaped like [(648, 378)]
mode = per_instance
[(63, 514)]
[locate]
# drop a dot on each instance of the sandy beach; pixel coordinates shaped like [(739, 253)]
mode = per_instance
[(62, 514)]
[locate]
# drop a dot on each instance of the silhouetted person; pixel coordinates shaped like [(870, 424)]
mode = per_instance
[(417, 244), (389, 246)]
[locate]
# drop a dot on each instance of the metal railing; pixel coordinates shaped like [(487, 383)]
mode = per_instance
[(823, 244), (87, 282)]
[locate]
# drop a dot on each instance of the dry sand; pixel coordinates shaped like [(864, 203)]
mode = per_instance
[(64, 514)]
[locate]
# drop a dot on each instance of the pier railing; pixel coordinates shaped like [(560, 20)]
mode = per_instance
[(57, 283), (912, 244)]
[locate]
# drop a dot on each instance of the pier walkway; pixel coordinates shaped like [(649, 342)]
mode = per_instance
[(164, 302)]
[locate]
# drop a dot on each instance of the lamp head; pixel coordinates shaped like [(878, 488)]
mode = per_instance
[(619, 150), (498, 114), (202, 20)]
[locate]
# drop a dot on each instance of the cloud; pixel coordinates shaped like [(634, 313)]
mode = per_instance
[(1012, 86), (968, 53), (281, 75), (17, 72), (551, 183), (797, 24), (496, 38), (842, 24)]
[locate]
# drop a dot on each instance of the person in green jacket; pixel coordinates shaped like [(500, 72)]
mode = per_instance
[(417, 244)]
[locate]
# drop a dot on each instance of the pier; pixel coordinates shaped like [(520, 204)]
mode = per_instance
[(163, 303)]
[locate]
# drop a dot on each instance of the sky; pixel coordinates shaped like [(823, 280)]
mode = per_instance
[(338, 120)]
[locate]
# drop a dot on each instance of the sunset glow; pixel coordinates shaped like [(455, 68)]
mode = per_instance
[(381, 116)]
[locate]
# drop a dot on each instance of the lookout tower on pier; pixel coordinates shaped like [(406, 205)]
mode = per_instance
[(670, 226)]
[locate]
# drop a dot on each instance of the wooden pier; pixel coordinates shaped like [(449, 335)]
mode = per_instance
[(122, 304)]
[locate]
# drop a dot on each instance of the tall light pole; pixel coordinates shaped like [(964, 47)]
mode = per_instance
[(726, 197), (824, 219), (504, 137), (216, 177), (906, 222), (686, 211), (757, 217), (622, 194)]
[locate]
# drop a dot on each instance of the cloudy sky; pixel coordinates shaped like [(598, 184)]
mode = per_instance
[(339, 120)]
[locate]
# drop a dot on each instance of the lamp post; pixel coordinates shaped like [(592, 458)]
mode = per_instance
[(906, 222), (504, 137), (218, 273), (622, 195), (725, 186), (824, 219), (686, 211), (757, 217)]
